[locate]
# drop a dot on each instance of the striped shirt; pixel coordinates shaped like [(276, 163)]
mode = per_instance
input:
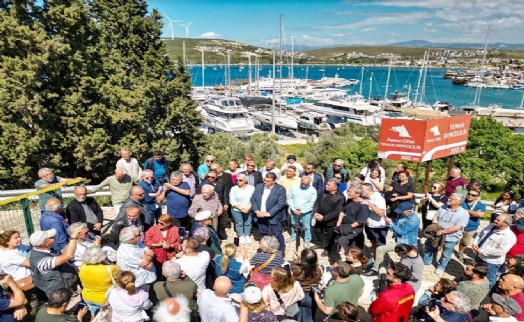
[(262, 257)]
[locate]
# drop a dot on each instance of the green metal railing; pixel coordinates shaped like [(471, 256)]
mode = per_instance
[(22, 213)]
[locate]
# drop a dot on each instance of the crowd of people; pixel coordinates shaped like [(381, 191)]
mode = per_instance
[(166, 255)]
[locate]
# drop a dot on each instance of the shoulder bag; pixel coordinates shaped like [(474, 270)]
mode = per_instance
[(290, 311), (258, 278)]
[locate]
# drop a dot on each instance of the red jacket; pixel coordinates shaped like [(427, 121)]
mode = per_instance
[(154, 236), (393, 304), (518, 248)]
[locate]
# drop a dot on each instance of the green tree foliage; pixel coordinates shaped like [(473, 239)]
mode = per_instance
[(354, 144), (224, 147), (80, 80)]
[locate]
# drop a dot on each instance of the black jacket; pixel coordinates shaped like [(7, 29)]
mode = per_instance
[(75, 212), (257, 176)]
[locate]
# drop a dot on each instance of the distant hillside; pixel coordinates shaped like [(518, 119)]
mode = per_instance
[(368, 50), (426, 44)]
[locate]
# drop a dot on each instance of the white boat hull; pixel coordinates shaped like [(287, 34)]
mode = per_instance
[(281, 120)]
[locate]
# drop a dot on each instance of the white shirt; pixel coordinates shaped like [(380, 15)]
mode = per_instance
[(238, 196), (366, 171), (11, 262), (495, 248), (265, 195), (215, 309), (374, 220), (195, 268), (132, 167), (498, 319)]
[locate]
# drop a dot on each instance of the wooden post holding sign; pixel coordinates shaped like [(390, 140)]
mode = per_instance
[(423, 140)]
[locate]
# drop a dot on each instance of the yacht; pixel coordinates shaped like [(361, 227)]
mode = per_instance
[(313, 121), (227, 114), (268, 85), (282, 120), (351, 109), (317, 94)]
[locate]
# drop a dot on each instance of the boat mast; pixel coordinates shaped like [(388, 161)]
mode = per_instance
[(228, 70), (203, 49), (422, 96), (273, 95), (387, 83), (483, 66), (184, 53), (522, 101), (361, 80), (421, 71), (370, 86), (292, 55), (249, 72), (280, 59)]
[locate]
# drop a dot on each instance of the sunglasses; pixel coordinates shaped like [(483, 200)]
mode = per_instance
[(148, 178), (240, 180), (209, 160), (434, 187), (211, 177), (337, 165), (251, 165), (469, 194), (162, 223)]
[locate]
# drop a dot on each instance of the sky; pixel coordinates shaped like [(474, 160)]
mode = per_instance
[(346, 22)]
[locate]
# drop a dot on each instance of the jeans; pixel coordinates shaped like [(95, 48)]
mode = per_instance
[(93, 307), (242, 222), (308, 309), (492, 271), (306, 223), (429, 250)]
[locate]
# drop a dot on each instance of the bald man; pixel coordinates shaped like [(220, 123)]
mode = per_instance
[(300, 199), (119, 185), (52, 219), (215, 306), (512, 286), (86, 210), (173, 309)]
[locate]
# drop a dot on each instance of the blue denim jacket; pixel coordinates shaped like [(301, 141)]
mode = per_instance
[(50, 220), (406, 229)]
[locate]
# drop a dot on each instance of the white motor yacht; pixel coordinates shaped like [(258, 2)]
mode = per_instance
[(227, 114), (351, 109)]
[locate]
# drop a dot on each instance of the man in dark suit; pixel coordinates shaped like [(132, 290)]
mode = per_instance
[(326, 210), (254, 177), (316, 179), (267, 202), (86, 210)]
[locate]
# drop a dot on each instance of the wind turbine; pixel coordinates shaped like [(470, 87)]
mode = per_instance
[(171, 26), (187, 28)]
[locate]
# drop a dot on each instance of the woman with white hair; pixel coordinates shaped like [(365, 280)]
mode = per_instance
[(263, 262), (97, 277), (240, 200), (132, 255), (83, 242)]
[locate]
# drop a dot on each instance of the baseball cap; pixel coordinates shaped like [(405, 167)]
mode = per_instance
[(291, 156), (510, 305), (203, 215), (39, 237), (252, 295), (403, 206)]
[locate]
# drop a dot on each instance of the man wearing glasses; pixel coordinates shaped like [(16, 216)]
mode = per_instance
[(476, 210), (338, 167), (203, 169)]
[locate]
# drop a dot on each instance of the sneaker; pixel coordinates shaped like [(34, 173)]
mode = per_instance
[(460, 256), (428, 265), (439, 271), (370, 272)]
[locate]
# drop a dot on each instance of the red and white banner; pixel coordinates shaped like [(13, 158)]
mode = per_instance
[(423, 140)]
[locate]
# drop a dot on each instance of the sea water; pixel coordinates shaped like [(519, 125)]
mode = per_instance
[(437, 88)]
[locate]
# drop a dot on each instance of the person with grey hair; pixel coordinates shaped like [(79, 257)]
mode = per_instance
[(96, 277), (207, 199), (452, 219), (326, 210), (352, 220), (176, 193), (83, 242), (203, 169), (240, 200), (48, 179), (119, 185), (338, 167), (455, 180), (52, 219), (137, 199), (132, 255), (177, 283), (264, 261), (152, 189), (493, 243), (132, 218), (130, 164), (454, 306), (86, 210)]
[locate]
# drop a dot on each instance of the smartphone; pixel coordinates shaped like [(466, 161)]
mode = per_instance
[(182, 232), (432, 304), (236, 241), (78, 307)]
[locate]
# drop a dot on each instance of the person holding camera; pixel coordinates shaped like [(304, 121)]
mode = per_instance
[(55, 310), (347, 287), (394, 303), (307, 272)]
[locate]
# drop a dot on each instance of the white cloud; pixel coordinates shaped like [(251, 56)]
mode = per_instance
[(337, 34), (368, 29), (210, 34), (397, 18)]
